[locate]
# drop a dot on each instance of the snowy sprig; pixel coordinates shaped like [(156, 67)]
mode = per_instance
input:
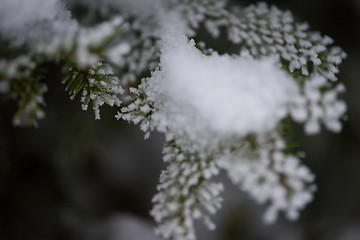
[(140, 111), (142, 57), (265, 30), (186, 193), (316, 106), (20, 81), (59, 39), (202, 12), (30, 101), (90, 43), (144, 19), (86, 46), (260, 167), (98, 85), (18, 67)]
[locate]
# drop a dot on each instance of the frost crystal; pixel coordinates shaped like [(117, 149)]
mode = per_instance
[(315, 106), (262, 168), (98, 85), (186, 193)]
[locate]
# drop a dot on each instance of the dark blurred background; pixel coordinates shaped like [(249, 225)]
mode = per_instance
[(77, 178)]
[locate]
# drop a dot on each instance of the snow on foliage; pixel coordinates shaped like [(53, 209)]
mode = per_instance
[(225, 112), (270, 175), (220, 94), (23, 21), (229, 111), (186, 193)]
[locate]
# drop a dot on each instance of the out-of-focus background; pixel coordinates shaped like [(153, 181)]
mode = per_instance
[(77, 178)]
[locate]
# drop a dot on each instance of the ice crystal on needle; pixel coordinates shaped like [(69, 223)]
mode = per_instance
[(261, 168), (314, 107), (97, 85), (187, 193)]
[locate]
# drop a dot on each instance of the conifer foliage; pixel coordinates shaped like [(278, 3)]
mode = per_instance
[(226, 112)]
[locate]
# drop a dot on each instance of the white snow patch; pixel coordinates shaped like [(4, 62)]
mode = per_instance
[(223, 94), (21, 20)]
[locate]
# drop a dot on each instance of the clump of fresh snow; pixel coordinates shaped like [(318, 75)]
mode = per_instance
[(24, 20), (222, 94), (17, 13)]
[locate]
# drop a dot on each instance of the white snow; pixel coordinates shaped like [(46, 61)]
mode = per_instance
[(223, 94), (20, 19)]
